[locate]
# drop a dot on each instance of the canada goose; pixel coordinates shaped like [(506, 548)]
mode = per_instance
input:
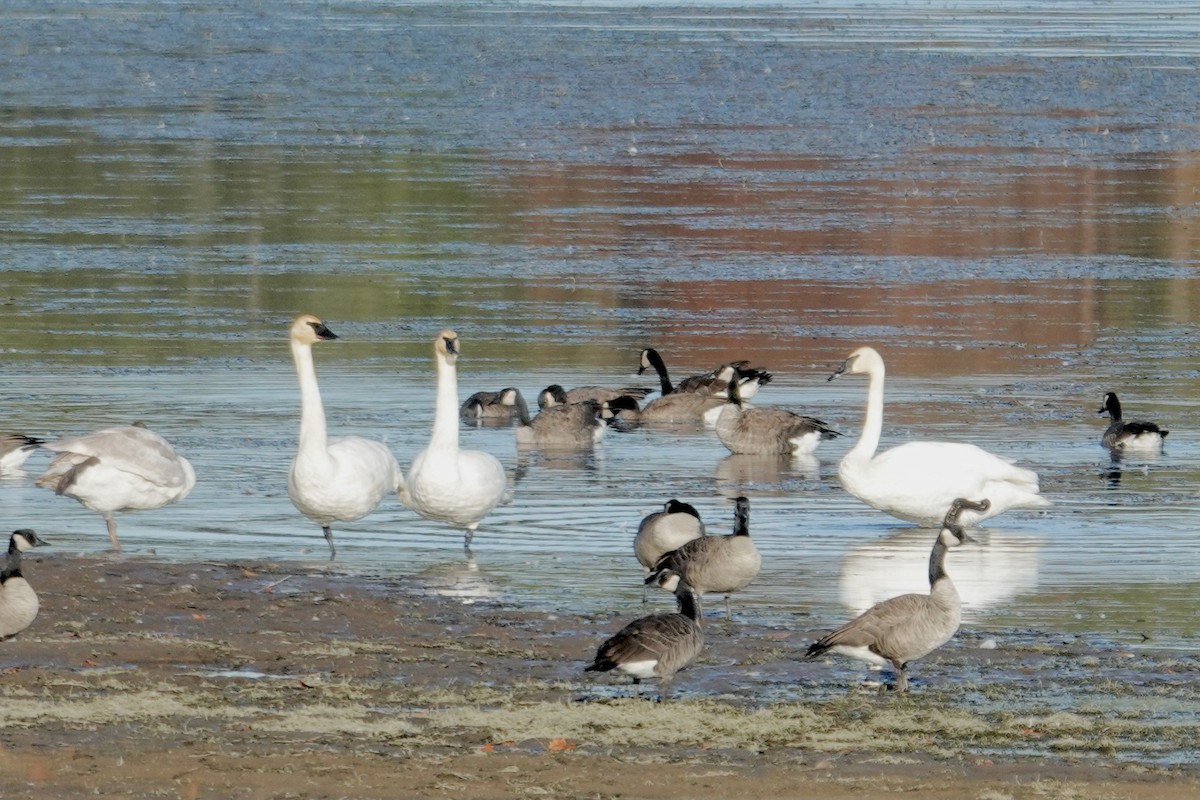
[(18, 601), (722, 564), (905, 628), (917, 481), (336, 479), (767, 430), (498, 406), (659, 645), (621, 412), (569, 426), (127, 468), (749, 378), (555, 395), (15, 448), (663, 531), (1129, 437), (445, 483), (681, 407)]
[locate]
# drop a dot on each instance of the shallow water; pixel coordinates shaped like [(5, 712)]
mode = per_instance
[(1004, 204)]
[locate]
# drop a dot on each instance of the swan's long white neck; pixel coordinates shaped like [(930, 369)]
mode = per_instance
[(312, 413), (868, 440), (445, 412)]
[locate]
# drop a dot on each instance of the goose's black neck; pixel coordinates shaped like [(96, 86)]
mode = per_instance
[(689, 602), (661, 368), (12, 564), (937, 560), (741, 517)]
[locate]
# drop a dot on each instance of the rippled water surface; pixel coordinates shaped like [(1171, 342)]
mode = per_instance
[(1004, 203)]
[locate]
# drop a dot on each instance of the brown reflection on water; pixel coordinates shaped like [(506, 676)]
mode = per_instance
[(936, 203)]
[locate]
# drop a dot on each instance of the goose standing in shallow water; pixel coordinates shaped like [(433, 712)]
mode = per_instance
[(332, 479), (917, 481), (663, 531), (14, 449), (127, 468), (1129, 437), (767, 431), (722, 564), (444, 483), (905, 628), (659, 645), (18, 601)]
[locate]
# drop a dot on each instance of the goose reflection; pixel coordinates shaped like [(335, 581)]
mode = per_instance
[(1119, 463), (765, 474), (990, 570)]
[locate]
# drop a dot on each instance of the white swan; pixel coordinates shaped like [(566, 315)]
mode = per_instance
[(918, 481), (129, 468), (445, 483), (332, 479)]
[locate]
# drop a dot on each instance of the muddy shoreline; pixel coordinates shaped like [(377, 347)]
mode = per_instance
[(268, 680)]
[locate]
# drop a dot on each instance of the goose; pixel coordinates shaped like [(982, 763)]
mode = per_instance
[(18, 601), (568, 426), (663, 531), (676, 406), (15, 448), (765, 431), (445, 483), (904, 628), (1129, 437), (556, 395), (498, 406), (126, 468), (750, 378), (658, 645), (917, 481), (337, 479), (723, 564)]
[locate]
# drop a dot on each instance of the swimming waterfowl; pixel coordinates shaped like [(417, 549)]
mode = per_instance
[(556, 395), (332, 479), (750, 379), (659, 645), (1129, 437), (721, 564), (902, 629), (446, 483), (498, 406), (663, 531), (15, 448), (917, 481), (573, 425), (18, 601), (766, 431), (126, 468)]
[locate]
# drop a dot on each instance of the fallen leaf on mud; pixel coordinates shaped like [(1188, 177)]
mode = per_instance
[(560, 745), (199, 616), (87, 662), (249, 573)]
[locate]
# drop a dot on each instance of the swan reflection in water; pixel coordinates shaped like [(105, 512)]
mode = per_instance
[(460, 579), (766, 475), (991, 569)]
